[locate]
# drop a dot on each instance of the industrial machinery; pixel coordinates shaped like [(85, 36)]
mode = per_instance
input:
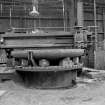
[(43, 59)]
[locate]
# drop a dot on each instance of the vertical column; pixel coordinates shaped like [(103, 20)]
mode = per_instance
[(95, 24), (104, 22), (64, 2), (69, 14), (80, 14), (71, 11)]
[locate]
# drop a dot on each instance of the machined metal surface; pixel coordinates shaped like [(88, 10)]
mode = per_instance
[(45, 80), (49, 53), (43, 60), (48, 77), (49, 68), (37, 40)]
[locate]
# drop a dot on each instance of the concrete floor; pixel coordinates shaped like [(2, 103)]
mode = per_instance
[(86, 92)]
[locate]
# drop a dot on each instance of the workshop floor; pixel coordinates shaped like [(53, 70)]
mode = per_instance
[(87, 92)]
